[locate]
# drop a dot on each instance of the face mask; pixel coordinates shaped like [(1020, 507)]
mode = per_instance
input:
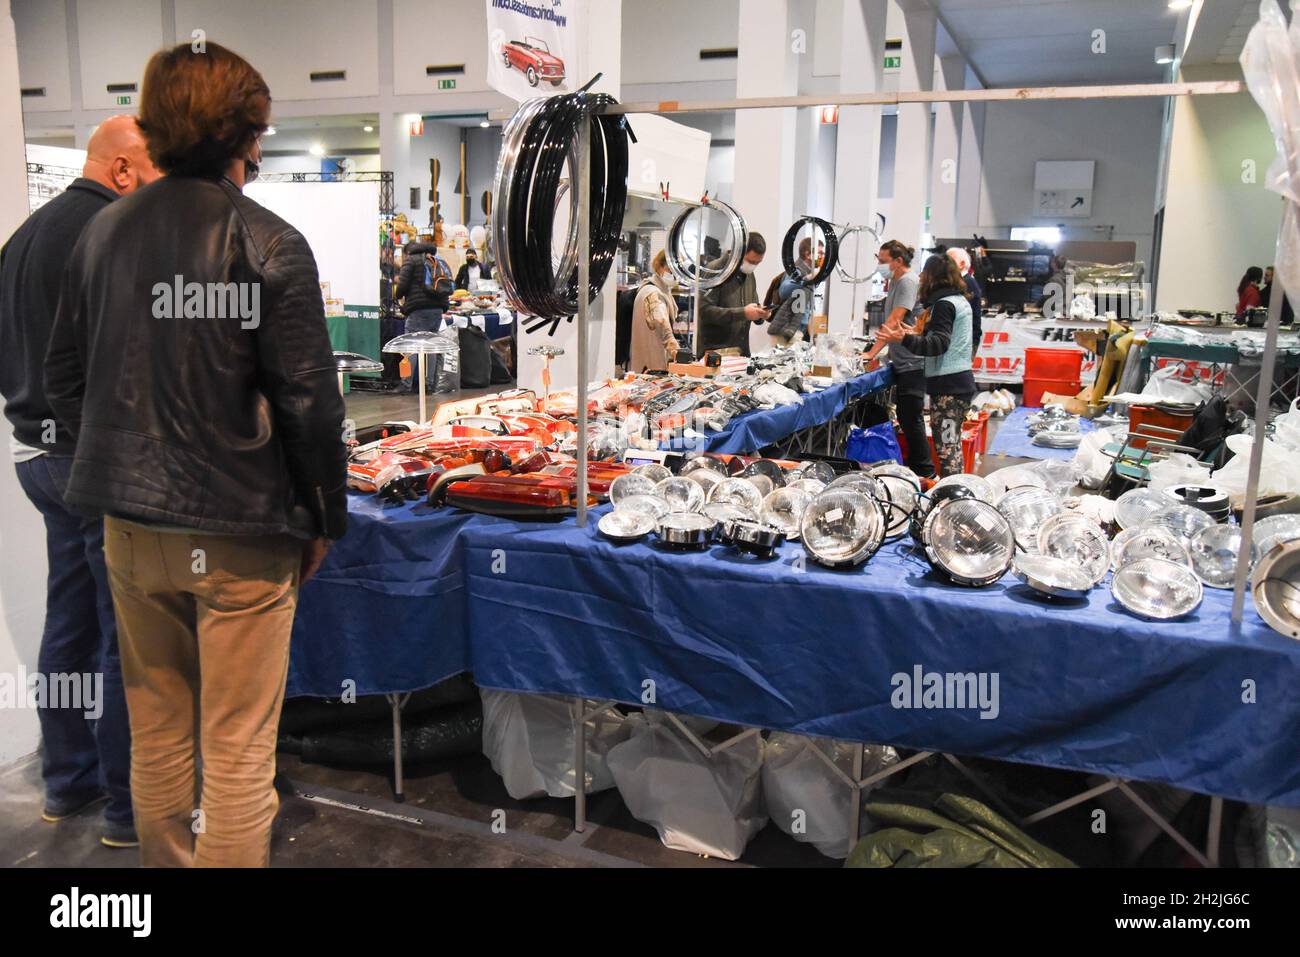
[(663, 280), (747, 268), (884, 270), (471, 263)]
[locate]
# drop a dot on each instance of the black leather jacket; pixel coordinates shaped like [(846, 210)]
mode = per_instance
[(228, 420)]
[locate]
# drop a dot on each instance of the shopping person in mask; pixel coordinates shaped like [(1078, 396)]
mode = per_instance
[(468, 276), (191, 363), (82, 758), (727, 311), (653, 313), (895, 264)]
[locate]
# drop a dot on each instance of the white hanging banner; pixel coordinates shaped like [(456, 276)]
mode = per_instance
[(536, 47)]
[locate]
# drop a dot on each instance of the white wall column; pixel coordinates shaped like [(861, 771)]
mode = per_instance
[(765, 139), (911, 165), (857, 144), (22, 533), (946, 167), (603, 55), (970, 172)]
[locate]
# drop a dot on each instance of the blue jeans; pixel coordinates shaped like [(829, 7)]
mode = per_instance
[(424, 320), (82, 756)]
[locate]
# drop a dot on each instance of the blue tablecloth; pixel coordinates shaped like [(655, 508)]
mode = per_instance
[(755, 430), (406, 600), (1013, 438)]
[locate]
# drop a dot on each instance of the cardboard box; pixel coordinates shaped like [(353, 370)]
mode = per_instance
[(818, 325)]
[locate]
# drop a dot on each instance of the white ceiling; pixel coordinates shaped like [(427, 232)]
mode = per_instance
[(1050, 42)]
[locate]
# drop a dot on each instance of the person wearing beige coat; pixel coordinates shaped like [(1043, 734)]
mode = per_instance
[(653, 312)]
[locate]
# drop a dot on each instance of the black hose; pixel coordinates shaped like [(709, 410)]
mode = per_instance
[(828, 264)]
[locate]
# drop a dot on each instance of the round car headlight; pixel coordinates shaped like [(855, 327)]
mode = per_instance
[(1054, 577), (653, 505), (1137, 505), (631, 484), (626, 525), (842, 527), (1148, 541), (1078, 541), (767, 468), (724, 512), (685, 530), (1275, 529), (981, 487), (1156, 589), (1183, 520), (968, 540), (1215, 551), (927, 502), (1026, 508), (1276, 588), (783, 509), (682, 494), (653, 471), (900, 503), (820, 471), (705, 479), (737, 491), (703, 461)]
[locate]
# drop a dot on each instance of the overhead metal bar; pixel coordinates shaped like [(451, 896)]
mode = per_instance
[(894, 98)]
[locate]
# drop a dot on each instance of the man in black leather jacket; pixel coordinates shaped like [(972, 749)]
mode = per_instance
[(190, 361)]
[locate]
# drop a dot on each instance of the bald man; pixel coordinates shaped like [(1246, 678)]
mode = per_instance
[(87, 744)]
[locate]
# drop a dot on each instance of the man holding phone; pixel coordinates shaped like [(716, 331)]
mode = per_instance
[(728, 310)]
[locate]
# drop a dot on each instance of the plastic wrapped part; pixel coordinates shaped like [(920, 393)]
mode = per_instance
[(737, 491), (1176, 469), (703, 805), (1026, 509), (1136, 506), (1275, 585), (529, 739), (783, 509), (652, 505), (808, 800), (969, 541), (1053, 577), (1279, 470), (681, 494), (1148, 541), (1080, 543), (1157, 590), (632, 484), (1271, 65), (842, 527), (1214, 552)]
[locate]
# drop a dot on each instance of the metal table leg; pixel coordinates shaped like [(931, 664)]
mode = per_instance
[(397, 702), (579, 765)]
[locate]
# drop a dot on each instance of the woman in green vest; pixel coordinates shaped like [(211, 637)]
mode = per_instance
[(943, 336)]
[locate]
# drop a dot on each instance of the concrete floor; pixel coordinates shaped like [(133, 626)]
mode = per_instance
[(374, 408)]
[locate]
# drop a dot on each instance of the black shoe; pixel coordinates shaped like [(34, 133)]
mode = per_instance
[(56, 811), (119, 836)]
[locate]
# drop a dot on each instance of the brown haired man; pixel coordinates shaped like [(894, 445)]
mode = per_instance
[(190, 359)]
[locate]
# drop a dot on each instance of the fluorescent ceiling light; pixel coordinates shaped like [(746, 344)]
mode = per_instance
[(368, 128), (270, 131), (484, 124), (316, 150), (1179, 4)]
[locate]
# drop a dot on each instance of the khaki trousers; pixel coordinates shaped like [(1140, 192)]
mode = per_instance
[(204, 623)]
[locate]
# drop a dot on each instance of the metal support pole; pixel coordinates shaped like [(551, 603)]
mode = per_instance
[(397, 702), (584, 288), (579, 764), (1263, 403), (855, 798), (424, 412), (857, 255), (1216, 821)]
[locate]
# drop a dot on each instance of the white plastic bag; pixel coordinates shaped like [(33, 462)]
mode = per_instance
[(1178, 469), (805, 798), (529, 740), (698, 804), (1279, 470)]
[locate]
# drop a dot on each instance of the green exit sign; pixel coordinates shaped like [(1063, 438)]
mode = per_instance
[(123, 101), (446, 84), (893, 63)]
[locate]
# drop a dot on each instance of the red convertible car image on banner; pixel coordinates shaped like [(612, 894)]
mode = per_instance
[(534, 59)]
